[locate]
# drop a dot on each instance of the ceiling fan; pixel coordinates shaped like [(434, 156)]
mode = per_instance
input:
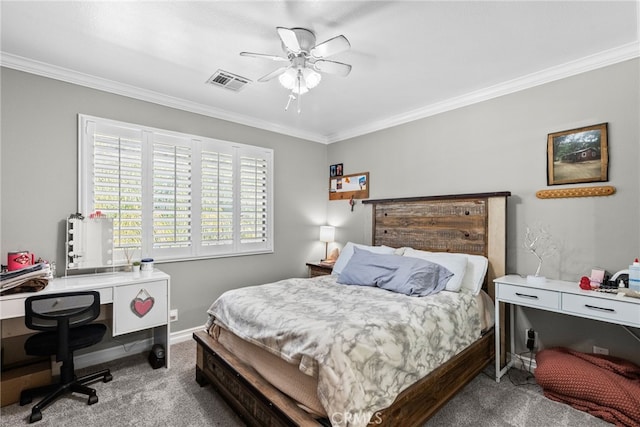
[(306, 61)]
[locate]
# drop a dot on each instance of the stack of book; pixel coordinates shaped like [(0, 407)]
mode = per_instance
[(29, 279)]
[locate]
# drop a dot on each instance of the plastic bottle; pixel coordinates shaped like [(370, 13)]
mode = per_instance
[(634, 275)]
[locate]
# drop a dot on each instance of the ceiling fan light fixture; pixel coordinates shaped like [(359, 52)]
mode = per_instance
[(308, 80), (311, 78), (299, 87), (288, 79), (301, 90)]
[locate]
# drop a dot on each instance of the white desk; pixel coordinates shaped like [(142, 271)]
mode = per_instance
[(560, 297), (139, 301)]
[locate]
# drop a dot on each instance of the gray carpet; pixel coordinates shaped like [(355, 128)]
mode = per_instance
[(141, 396)]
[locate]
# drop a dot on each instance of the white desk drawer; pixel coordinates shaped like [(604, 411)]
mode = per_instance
[(106, 295), (139, 306), (532, 297), (600, 308), (10, 308)]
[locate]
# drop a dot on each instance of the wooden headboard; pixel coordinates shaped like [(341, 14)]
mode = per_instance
[(464, 223)]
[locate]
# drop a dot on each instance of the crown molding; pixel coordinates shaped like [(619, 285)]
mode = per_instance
[(70, 76), (589, 63), (582, 65)]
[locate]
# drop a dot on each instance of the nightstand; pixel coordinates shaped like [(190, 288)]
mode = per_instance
[(319, 269)]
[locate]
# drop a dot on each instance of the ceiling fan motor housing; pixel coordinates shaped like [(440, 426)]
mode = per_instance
[(306, 39)]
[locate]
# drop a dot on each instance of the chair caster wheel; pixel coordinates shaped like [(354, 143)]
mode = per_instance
[(107, 378), (35, 416), (92, 399)]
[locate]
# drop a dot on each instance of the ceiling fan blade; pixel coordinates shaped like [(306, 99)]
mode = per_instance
[(273, 74), (264, 56), (289, 39), (331, 47), (332, 67)]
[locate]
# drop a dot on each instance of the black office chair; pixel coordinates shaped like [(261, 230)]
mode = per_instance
[(65, 319)]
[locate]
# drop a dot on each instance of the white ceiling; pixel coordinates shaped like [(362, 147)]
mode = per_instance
[(410, 59)]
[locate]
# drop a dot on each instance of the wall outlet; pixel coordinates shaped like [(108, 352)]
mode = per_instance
[(600, 350), (173, 315), (530, 334)]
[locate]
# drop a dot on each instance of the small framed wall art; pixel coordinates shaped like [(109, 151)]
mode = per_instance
[(578, 155), (335, 170)]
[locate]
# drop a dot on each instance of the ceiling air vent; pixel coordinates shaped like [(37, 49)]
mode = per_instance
[(228, 80)]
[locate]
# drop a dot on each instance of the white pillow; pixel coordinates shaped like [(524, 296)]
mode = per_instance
[(477, 266), (347, 253), (455, 263), (399, 251), (476, 269)]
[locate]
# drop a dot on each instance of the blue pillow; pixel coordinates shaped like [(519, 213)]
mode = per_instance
[(347, 253), (362, 270), (406, 275)]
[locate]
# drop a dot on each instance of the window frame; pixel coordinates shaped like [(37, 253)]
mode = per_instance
[(195, 250)]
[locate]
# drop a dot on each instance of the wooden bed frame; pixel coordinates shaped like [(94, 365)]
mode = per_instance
[(467, 223)]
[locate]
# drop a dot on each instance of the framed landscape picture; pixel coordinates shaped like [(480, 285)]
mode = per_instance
[(578, 155)]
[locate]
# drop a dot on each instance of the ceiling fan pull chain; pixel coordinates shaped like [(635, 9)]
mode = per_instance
[(291, 96), (299, 91)]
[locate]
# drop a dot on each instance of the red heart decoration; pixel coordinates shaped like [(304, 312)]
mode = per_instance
[(585, 283), (142, 306)]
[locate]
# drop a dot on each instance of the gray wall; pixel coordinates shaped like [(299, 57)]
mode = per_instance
[(39, 185), (496, 145), (500, 145)]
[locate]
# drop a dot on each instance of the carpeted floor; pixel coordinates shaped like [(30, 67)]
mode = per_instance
[(141, 396)]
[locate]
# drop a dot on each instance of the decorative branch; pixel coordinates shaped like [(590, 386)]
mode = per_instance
[(539, 242)]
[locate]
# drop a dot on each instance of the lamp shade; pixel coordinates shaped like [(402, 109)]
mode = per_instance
[(327, 233)]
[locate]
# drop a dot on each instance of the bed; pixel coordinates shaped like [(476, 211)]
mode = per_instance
[(473, 224)]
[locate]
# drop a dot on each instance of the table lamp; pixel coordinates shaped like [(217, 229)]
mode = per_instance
[(327, 235)]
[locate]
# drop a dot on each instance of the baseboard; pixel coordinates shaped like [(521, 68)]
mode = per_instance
[(112, 353), (128, 349), (522, 362), (101, 356), (184, 335)]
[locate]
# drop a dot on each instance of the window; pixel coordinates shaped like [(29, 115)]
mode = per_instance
[(175, 196)]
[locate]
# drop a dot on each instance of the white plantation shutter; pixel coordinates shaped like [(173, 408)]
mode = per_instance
[(254, 213), (216, 197), (115, 158), (171, 181), (174, 196)]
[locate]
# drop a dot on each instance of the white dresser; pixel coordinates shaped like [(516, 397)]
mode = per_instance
[(560, 297)]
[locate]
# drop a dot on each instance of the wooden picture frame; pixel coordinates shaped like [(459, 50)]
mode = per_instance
[(578, 155), (354, 186)]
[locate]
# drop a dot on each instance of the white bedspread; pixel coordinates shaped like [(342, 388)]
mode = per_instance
[(364, 344)]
